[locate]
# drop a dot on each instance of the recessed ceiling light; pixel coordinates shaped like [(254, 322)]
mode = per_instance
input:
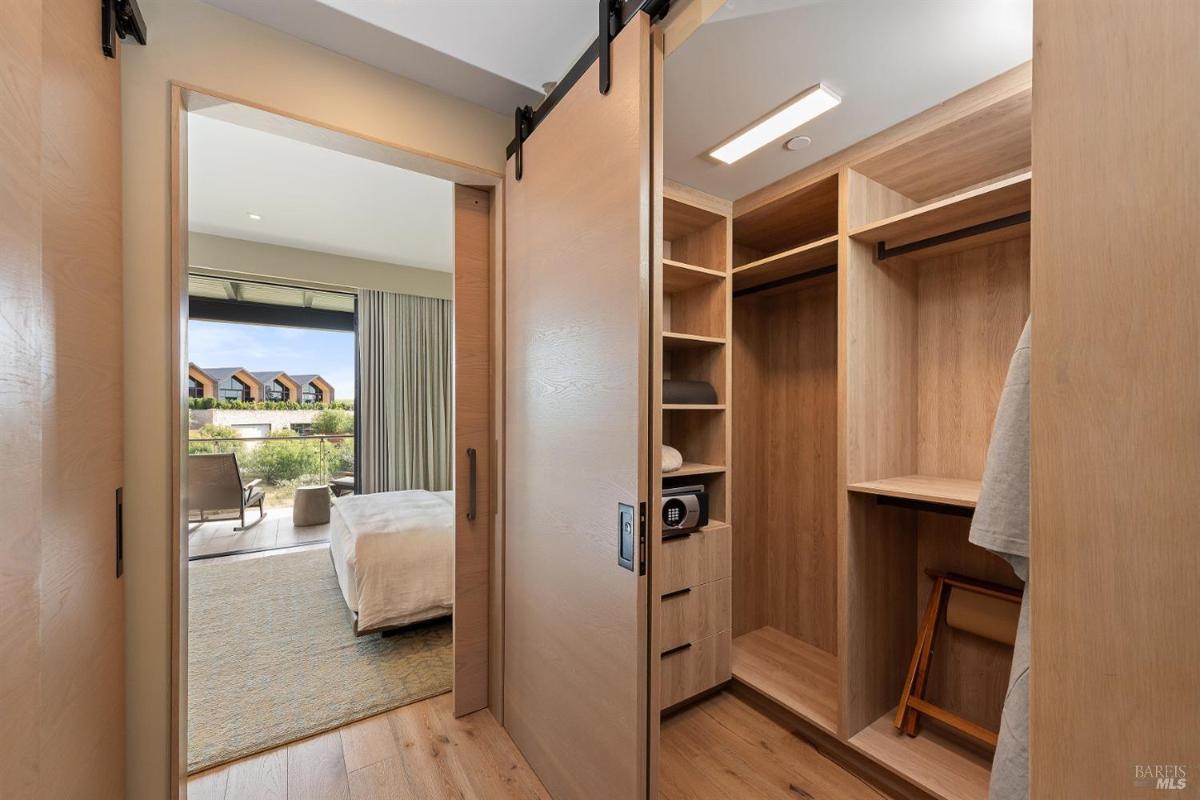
[(807, 105), (798, 142), (253, 216)]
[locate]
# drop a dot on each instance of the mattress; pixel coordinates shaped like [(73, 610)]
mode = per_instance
[(393, 553)]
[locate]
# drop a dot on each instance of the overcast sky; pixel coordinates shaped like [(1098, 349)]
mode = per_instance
[(260, 348)]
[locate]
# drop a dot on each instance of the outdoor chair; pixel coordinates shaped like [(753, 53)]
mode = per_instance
[(215, 485)]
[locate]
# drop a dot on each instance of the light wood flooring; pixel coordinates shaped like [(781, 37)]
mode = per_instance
[(216, 538), (721, 749)]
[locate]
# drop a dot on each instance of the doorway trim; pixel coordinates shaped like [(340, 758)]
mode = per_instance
[(186, 98)]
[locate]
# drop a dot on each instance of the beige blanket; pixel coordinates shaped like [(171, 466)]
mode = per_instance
[(393, 553)]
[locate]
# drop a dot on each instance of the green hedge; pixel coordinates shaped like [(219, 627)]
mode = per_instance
[(203, 403)]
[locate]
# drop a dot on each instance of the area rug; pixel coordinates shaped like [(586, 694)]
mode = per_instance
[(272, 657)]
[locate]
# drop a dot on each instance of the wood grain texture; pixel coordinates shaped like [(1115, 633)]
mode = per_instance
[(877, 342), (1115, 378), (472, 429), (787, 264), (418, 751), (577, 365), (801, 678), (949, 491), (76, 385), (785, 464), (694, 669), (21, 353), (724, 747), (804, 215), (991, 201), (693, 613), (941, 766), (971, 309), (698, 557)]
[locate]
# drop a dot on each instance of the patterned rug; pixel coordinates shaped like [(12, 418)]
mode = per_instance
[(272, 657)]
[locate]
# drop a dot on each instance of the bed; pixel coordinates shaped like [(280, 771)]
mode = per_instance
[(393, 553)]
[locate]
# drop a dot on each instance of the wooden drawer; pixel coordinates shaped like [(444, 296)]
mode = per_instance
[(694, 613), (698, 557), (694, 668)]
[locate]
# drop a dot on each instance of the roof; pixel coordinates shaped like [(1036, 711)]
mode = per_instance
[(224, 373), (303, 379), (270, 375)]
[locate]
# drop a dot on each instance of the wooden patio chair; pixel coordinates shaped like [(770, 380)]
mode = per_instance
[(215, 484)]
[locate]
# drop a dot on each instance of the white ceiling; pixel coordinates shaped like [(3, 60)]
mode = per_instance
[(888, 59), (313, 198), (494, 53)]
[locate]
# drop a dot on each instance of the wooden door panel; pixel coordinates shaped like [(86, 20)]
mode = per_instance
[(577, 275), (472, 432), (61, 604)]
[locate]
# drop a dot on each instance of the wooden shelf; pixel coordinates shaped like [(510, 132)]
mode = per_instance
[(788, 264), (993, 201), (694, 468), (943, 767), (679, 277), (924, 488), (681, 218), (689, 341), (801, 678), (693, 407)]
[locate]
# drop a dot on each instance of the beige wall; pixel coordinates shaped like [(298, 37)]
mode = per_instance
[(198, 44), (226, 255)]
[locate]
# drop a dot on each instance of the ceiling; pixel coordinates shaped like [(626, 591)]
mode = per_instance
[(494, 53), (888, 59), (314, 198)]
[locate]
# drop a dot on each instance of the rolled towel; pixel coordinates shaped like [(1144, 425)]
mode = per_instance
[(672, 459)]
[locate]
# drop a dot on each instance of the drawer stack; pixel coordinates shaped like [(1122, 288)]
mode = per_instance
[(695, 617)]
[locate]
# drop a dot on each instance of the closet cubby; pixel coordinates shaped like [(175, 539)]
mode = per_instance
[(692, 574), (787, 238), (936, 235)]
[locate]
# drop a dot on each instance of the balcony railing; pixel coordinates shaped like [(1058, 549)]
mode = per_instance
[(285, 462)]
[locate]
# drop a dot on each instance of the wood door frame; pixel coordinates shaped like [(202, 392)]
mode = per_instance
[(187, 97)]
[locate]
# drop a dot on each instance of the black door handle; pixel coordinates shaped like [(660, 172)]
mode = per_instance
[(471, 484)]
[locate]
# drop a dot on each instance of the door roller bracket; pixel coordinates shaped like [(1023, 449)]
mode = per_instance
[(120, 18), (523, 126), (610, 25)]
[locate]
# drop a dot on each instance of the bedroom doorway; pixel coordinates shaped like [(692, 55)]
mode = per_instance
[(344, 287)]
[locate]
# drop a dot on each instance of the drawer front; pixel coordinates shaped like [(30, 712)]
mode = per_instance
[(695, 613), (694, 669), (699, 557)]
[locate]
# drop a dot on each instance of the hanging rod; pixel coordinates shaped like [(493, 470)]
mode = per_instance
[(618, 14), (882, 251), (925, 505), (775, 284)]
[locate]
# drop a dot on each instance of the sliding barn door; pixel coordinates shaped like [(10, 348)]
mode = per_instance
[(577, 274), (61, 601)]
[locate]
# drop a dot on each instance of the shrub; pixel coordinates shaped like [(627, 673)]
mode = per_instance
[(213, 432), (278, 461), (205, 403), (333, 421)]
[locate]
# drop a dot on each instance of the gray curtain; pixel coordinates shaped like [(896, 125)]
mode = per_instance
[(404, 391)]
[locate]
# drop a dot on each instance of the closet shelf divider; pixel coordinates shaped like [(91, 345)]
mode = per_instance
[(796, 261)]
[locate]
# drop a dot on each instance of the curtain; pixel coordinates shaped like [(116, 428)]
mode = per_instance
[(404, 386)]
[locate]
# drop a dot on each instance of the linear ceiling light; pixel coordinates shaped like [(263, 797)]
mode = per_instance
[(791, 115)]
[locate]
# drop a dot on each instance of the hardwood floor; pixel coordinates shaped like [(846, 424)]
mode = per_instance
[(718, 749), (722, 748), (418, 751)]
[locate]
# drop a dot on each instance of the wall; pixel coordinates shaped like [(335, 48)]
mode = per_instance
[(224, 254), (197, 44)]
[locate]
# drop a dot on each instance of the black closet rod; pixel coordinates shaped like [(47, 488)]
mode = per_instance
[(803, 276), (622, 11), (882, 251)]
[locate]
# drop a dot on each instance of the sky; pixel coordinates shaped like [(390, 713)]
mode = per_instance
[(261, 348)]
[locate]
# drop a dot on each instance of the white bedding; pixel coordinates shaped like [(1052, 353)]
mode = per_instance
[(394, 556)]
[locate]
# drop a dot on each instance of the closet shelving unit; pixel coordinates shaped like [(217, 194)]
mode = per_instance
[(692, 571), (873, 312)]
